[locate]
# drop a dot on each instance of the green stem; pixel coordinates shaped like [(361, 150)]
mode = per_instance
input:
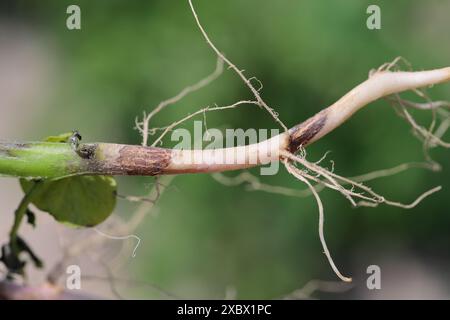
[(38, 160), (20, 213), (51, 160)]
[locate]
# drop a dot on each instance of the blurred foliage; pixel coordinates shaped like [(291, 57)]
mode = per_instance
[(130, 55)]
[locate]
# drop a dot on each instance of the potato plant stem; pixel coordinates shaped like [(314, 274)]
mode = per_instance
[(20, 213), (55, 160)]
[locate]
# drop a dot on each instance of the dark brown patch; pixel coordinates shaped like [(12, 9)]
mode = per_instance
[(87, 151), (301, 134), (143, 161)]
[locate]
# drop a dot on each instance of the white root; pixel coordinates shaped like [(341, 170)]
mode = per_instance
[(295, 173)]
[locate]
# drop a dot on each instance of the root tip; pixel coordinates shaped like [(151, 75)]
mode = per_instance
[(347, 280)]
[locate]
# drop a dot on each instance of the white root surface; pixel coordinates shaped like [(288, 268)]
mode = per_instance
[(380, 84)]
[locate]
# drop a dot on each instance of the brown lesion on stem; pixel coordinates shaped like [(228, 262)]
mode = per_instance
[(301, 134), (144, 160), (118, 159), (87, 151)]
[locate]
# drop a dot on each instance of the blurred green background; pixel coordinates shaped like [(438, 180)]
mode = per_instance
[(130, 55)]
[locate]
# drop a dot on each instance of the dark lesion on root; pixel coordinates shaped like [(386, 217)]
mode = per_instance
[(302, 134)]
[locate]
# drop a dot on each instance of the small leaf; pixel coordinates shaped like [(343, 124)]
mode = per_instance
[(64, 137), (24, 247), (11, 260), (31, 217), (78, 200)]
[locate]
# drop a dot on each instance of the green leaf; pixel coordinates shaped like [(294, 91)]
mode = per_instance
[(64, 137), (78, 200)]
